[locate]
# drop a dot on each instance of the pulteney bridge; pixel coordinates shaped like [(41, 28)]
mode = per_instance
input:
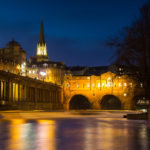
[(107, 91), (18, 92)]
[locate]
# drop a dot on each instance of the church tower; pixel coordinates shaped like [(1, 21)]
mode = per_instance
[(41, 53)]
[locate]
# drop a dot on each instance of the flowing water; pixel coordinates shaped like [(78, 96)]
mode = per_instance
[(78, 131)]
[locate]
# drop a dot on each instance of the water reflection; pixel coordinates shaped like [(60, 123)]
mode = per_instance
[(93, 133), (16, 140), (46, 131)]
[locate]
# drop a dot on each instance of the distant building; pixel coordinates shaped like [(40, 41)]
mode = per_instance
[(40, 67), (9, 66), (76, 70), (13, 58), (86, 71), (123, 70), (13, 52)]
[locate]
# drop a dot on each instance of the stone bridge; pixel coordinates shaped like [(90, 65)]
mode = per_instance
[(107, 91)]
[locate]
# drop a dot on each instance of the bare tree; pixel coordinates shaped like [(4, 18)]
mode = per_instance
[(133, 46)]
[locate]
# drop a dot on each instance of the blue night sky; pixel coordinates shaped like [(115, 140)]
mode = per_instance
[(75, 30)]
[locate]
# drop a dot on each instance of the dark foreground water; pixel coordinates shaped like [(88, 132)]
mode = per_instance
[(104, 131)]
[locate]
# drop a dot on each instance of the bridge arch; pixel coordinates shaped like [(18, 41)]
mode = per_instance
[(110, 102), (79, 102)]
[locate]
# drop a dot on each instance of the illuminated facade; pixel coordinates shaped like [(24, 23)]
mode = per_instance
[(48, 71), (39, 67), (97, 88), (13, 58), (9, 66)]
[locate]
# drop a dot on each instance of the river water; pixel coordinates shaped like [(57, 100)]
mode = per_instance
[(91, 131)]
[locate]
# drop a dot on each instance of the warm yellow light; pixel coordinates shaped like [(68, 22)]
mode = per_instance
[(120, 69), (41, 49), (119, 84), (109, 78), (18, 67), (46, 121), (109, 84), (88, 85), (125, 94), (125, 84)]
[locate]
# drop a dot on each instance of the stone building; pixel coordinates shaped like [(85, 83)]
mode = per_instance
[(40, 67), (13, 58), (13, 52)]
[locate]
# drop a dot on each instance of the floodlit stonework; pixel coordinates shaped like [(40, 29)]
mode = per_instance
[(97, 88)]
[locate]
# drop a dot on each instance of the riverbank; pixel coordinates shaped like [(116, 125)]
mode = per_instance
[(140, 116)]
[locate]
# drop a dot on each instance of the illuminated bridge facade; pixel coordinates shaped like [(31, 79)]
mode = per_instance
[(107, 91), (18, 92)]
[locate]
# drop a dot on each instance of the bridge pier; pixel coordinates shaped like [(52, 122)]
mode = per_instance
[(96, 105)]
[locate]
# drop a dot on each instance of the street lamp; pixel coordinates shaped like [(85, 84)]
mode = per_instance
[(43, 74), (23, 69)]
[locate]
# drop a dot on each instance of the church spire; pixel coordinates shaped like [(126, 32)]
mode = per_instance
[(42, 40), (41, 52)]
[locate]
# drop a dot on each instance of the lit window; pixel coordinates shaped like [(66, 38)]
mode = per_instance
[(33, 71), (120, 69), (77, 85), (141, 84), (102, 84), (109, 84), (43, 73), (125, 94), (88, 85), (99, 85), (130, 84), (119, 84), (45, 65), (125, 84), (88, 77), (93, 85), (109, 78), (29, 71)]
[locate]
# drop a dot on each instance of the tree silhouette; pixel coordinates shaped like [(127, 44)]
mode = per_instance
[(133, 46)]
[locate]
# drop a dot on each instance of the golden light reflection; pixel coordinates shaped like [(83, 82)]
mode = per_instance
[(104, 135), (46, 131), (16, 132), (39, 135)]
